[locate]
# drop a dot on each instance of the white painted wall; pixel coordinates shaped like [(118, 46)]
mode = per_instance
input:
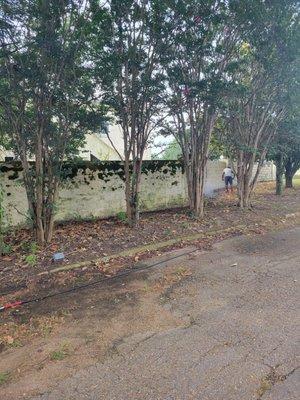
[(98, 190)]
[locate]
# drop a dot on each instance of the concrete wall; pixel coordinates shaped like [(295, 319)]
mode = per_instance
[(97, 190)]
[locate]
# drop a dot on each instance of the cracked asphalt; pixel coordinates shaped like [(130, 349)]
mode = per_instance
[(239, 340)]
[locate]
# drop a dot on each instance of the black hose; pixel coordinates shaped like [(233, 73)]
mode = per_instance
[(106, 279)]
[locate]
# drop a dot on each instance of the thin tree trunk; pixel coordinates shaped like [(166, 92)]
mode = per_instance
[(199, 194), (1, 220), (127, 188), (135, 180), (49, 212), (39, 177), (279, 174), (195, 176), (244, 174)]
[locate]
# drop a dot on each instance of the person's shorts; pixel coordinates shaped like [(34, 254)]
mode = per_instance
[(228, 180)]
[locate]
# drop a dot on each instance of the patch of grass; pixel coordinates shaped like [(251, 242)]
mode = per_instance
[(122, 216), (6, 249), (4, 377), (61, 354), (31, 260)]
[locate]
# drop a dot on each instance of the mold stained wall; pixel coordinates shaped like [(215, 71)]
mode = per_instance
[(97, 190)]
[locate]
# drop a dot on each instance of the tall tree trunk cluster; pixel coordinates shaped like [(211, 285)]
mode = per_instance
[(286, 167), (137, 94), (194, 139), (251, 129)]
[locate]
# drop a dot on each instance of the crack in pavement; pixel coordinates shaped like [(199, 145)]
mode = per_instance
[(271, 379)]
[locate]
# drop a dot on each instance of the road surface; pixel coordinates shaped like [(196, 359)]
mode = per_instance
[(240, 342)]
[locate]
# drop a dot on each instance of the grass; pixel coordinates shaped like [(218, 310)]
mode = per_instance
[(61, 354), (4, 377)]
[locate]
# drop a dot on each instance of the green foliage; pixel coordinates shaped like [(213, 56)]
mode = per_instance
[(122, 216), (6, 249), (49, 96), (269, 54), (31, 260), (133, 82), (58, 355), (172, 152), (4, 377), (30, 247)]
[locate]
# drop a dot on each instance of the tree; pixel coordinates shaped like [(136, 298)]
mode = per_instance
[(253, 115), (135, 86), (258, 103), (47, 94), (286, 149), (292, 165), (198, 53)]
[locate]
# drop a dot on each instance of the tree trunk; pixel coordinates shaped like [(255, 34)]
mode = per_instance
[(289, 174), (1, 220), (132, 189), (49, 207), (244, 175), (244, 191), (39, 197), (289, 181), (199, 192), (279, 174), (195, 175)]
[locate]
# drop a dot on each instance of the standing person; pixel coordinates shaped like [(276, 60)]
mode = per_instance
[(228, 176)]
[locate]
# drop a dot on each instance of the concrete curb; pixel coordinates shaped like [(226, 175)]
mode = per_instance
[(142, 249), (157, 246)]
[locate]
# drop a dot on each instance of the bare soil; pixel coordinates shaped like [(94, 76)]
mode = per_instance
[(91, 240)]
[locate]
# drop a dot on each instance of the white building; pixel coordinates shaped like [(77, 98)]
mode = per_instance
[(97, 147)]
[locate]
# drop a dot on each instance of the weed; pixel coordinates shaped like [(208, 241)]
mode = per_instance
[(30, 247), (58, 355), (33, 248), (4, 377), (122, 216), (31, 260), (6, 249)]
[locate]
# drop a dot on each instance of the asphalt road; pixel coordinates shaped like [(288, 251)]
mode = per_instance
[(242, 304)]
